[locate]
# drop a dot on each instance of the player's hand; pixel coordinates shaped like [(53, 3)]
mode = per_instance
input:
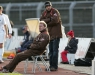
[(10, 36), (6, 36)]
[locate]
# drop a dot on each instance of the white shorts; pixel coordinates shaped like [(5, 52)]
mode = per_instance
[(2, 37)]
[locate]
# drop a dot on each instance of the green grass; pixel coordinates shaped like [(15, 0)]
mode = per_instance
[(10, 74)]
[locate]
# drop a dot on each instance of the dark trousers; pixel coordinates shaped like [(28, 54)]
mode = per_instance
[(18, 58), (53, 52)]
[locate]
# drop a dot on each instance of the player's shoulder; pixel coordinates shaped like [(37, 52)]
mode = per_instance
[(5, 15)]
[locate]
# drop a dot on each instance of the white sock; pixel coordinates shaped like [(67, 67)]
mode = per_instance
[(1, 53)]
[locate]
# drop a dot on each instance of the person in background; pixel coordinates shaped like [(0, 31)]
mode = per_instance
[(12, 25), (52, 17), (26, 39), (70, 48), (8, 40), (36, 48)]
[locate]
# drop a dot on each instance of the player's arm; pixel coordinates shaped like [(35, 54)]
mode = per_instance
[(5, 26), (6, 30), (9, 26)]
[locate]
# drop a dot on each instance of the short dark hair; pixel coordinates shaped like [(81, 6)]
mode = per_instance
[(1, 8)]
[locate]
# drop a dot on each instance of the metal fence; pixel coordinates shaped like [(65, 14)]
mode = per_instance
[(79, 16)]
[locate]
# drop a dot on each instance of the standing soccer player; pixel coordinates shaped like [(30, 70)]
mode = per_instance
[(3, 33)]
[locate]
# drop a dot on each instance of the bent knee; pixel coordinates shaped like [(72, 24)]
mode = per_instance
[(1, 45)]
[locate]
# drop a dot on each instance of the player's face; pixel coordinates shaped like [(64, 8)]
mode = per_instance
[(41, 27), (48, 8), (0, 10)]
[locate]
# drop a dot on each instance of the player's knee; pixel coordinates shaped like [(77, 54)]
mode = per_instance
[(1, 45)]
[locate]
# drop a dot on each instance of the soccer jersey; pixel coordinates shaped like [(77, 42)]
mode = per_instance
[(2, 23)]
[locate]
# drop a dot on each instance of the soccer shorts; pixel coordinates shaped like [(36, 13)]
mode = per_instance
[(2, 37)]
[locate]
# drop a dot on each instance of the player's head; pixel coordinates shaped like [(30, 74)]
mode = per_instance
[(48, 5), (42, 26), (1, 8)]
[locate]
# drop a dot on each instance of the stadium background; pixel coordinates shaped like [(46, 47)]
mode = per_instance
[(78, 15)]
